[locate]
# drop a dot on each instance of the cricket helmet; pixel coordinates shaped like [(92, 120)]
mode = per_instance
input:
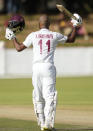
[(16, 23)]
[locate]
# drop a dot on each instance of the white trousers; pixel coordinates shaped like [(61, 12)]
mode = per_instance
[(44, 94)]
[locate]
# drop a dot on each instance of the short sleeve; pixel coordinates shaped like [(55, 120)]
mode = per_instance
[(61, 38), (29, 40)]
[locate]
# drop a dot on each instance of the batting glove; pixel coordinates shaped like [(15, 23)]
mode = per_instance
[(77, 22), (9, 34)]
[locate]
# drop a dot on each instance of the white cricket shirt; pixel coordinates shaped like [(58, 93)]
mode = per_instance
[(44, 43)]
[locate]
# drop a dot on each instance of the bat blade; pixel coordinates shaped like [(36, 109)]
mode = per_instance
[(61, 8)]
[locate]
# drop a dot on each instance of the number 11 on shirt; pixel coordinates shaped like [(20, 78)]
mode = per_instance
[(47, 43)]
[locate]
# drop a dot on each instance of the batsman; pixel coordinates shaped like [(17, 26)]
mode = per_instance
[(44, 43)]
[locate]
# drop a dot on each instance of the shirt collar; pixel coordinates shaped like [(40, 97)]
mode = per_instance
[(44, 29)]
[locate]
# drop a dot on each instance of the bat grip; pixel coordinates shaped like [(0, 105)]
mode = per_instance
[(74, 17)]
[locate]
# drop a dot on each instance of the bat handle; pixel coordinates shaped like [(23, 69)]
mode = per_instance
[(74, 17)]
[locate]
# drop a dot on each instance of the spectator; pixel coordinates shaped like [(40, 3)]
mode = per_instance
[(1, 5), (13, 6)]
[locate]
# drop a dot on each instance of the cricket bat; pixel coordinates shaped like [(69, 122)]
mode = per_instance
[(61, 8)]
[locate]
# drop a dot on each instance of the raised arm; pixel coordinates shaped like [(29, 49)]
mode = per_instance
[(19, 46), (72, 36)]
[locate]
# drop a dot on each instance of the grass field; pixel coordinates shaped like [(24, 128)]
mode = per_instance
[(71, 91), (22, 125), (73, 94)]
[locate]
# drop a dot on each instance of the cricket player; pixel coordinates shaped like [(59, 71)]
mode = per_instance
[(44, 44)]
